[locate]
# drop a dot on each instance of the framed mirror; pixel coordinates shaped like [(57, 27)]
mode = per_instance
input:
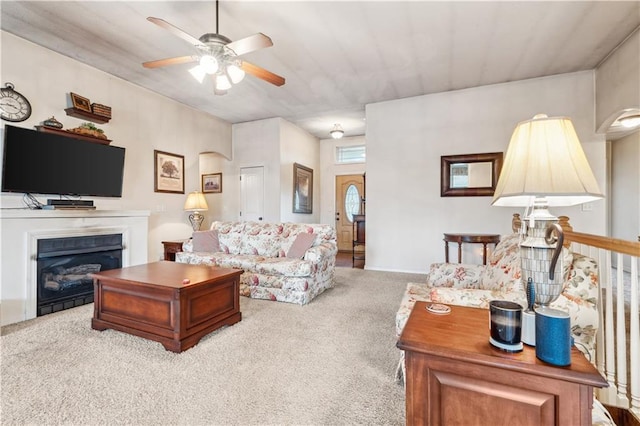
[(469, 175)]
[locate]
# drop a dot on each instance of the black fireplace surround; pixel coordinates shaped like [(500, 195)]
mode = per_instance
[(64, 265)]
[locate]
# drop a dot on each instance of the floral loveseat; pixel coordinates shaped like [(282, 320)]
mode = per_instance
[(477, 285), (260, 249)]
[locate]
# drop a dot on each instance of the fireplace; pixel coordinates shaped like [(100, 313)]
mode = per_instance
[(64, 265)]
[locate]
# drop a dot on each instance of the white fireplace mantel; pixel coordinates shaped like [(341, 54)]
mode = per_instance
[(22, 228)]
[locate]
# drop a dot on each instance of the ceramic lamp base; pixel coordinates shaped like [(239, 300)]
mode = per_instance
[(529, 328), (196, 220)]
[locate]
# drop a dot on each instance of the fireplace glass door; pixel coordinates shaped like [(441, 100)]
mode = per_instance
[(64, 265)]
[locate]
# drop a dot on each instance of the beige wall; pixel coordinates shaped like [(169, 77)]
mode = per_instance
[(142, 122), (405, 138), (625, 187), (618, 82), (275, 144)]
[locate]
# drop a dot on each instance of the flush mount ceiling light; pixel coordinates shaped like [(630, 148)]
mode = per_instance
[(217, 56), (630, 121), (336, 132)]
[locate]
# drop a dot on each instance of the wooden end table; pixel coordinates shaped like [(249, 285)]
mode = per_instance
[(153, 302), (171, 248), (455, 376), (483, 239)]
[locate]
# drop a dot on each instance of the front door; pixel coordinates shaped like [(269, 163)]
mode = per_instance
[(252, 193), (349, 193)]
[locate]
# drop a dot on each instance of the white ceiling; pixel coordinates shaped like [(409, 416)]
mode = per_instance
[(336, 56)]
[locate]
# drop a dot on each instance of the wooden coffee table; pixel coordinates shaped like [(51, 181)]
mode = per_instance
[(156, 302)]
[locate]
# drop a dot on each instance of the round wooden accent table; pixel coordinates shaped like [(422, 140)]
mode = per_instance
[(483, 239)]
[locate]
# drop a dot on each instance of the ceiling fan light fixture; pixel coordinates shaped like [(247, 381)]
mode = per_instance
[(209, 64), (222, 82), (630, 121), (235, 73), (198, 73), (336, 132)]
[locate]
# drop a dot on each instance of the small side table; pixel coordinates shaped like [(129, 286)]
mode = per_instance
[(483, 239), (455, 376), (358, 238), (171, 248)]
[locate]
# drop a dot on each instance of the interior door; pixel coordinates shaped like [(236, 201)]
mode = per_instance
[(252, 193), (349, 193)]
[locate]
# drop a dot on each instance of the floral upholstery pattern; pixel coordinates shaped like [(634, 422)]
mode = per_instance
[(502, 271), (465, 286), (259, 250)]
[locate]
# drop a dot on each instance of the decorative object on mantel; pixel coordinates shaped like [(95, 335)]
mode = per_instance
[(52, 122), (70, 134), (89, 129)]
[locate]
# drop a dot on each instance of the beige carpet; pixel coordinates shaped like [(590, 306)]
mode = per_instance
[(330, 362)]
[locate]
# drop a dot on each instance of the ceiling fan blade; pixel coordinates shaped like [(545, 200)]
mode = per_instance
[(170, 61), (176, 31), (250, 44), (263, 74)]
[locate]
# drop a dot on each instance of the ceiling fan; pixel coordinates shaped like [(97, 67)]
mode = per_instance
[(218, 57)]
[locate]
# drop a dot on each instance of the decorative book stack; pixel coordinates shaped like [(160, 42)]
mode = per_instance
[(101, 110)]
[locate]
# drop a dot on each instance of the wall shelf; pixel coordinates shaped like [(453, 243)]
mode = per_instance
[(73, 135), (78, 113)]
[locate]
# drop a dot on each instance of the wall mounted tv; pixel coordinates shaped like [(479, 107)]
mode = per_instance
[(45, 163)]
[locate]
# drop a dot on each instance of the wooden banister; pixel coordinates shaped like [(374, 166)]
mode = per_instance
[(631, 248), (607, 243)]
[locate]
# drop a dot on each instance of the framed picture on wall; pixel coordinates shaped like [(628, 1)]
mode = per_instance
[(302, 189), (212, 183), (169, 172), (80, 102)]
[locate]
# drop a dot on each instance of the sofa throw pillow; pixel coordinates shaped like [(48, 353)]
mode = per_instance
[(206, 241), (300, 245)]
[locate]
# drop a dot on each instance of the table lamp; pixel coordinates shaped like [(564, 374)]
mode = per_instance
[(196, 203), (544, 166)]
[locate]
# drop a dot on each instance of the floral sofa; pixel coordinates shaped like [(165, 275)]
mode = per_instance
[(260, 249), (477, 285)]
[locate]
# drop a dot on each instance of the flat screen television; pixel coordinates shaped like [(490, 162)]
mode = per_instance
[(46, 163)]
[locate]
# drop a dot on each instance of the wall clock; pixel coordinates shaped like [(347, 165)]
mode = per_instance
[(13, 105)]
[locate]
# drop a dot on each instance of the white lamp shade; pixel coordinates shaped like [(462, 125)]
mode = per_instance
[(209, 64), (336, 132), (235, 73), (222, 82), (545, 159), (196, 202), (198, 73)]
